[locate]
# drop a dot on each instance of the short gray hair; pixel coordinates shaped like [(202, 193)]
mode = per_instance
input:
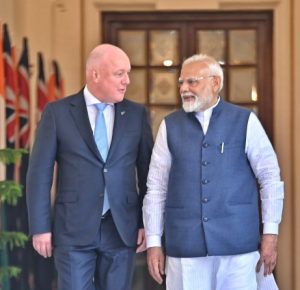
[(213, 66)]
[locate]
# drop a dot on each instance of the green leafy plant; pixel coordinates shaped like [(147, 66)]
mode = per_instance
[(10, 192)]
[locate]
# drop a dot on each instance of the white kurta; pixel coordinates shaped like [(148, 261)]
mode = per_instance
[(264, 164)]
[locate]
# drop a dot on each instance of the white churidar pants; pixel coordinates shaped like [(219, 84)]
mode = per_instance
[(217, 273)]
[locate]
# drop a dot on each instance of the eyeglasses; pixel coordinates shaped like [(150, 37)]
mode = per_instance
[(192, 81)]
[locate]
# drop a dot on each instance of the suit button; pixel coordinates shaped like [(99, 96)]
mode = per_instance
[(105, 170), (204, 163), (205, 181), (205, 145), (204, 199), (205, 219)]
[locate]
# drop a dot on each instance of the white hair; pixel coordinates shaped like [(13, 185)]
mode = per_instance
[(214, 67)]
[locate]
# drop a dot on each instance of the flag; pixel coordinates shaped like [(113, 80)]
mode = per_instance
[(2, 101), (24, 118), (24, 97), (55, 83), (42, 90), (1, 64), (10, 90)]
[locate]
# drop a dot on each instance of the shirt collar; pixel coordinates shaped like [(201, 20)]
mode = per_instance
[(205, 115), (90, 99)]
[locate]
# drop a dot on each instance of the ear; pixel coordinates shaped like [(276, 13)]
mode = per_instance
[(216, 83), (95, 76)]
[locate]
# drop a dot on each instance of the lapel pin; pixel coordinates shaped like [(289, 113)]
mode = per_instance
[(123, 113)]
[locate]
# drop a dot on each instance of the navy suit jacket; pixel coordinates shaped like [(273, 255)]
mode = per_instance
[(64, 135)]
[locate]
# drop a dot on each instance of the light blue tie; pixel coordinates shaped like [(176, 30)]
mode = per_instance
[(100, 136)]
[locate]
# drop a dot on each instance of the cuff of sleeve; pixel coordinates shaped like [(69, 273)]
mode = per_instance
[(271, 228), (153, 241)]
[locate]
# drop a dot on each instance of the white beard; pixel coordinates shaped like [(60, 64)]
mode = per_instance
[(200, 104)]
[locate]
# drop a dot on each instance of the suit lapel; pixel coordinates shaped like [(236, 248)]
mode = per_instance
[(80, 115)]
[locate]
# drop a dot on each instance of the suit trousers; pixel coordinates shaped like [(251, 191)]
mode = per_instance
[(106, 264)]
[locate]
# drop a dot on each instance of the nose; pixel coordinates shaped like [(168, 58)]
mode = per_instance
[(126, 79), (184, 87)]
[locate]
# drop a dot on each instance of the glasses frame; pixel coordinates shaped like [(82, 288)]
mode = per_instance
[(192, 81)]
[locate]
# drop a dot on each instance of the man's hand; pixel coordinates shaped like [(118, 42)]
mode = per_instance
[(42, 244), (268, 253), (141, 241), (156, 263)]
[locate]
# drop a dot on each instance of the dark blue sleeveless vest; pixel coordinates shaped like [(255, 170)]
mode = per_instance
[(212, 197)]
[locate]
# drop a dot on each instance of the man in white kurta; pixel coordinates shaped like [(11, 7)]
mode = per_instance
[(200, 82)]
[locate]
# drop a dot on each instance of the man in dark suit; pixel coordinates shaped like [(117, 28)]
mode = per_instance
[(93, 247)]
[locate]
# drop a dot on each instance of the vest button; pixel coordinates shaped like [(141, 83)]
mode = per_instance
[(205, 145), (105, 170), (205, 219), (205, 181), (204, 163), (204, 199)]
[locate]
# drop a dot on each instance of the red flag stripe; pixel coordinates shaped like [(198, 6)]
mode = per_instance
[(55, 83), (42, 90), (24, 97), (1, 63), (42, 93)]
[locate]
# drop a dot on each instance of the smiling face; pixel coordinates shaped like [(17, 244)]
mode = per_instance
[(198, 87), (107, 73)]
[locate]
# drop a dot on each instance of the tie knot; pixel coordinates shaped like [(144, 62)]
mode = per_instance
[(101, 106)]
